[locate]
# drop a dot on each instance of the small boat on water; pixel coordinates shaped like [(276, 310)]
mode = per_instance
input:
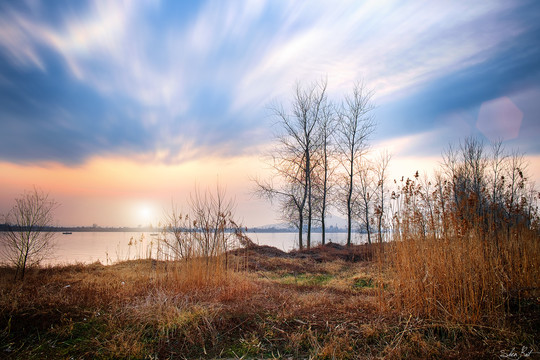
[(67, 233)]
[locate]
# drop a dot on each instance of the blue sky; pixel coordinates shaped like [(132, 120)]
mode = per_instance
[(169, 82)]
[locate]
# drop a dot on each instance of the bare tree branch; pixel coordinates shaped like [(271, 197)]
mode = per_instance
[(29, 238)]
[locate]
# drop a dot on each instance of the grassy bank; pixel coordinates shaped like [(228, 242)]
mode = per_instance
[(323, 303)]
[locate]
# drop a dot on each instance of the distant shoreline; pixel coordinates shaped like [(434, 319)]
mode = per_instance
[(4, 227)]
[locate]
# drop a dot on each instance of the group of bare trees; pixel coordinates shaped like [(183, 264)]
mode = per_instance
[(479, 189), (320, 159), (490, 186)]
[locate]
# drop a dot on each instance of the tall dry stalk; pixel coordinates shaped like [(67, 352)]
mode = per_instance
[(199, 241), (461, 254)]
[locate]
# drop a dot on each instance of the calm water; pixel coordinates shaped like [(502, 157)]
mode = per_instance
[(110, 247), (289, 241)]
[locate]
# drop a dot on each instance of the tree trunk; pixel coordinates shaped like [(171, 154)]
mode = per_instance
[(310, 210), (300, 227), (349, 207), (308, 241), (325, 190), (323, 215), (308, 184), (323, 234), (368, 225), (381, 212)]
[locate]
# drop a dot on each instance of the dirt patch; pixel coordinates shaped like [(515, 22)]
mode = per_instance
[(321, 253), (332, 251), (265, 250), (269, 258)]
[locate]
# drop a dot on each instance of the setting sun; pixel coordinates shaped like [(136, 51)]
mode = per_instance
[(146, 215)]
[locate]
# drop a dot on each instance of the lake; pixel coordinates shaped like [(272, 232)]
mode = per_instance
[(111, 247)]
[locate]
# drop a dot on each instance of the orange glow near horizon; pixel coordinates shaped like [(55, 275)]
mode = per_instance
[(122, 192), (121, 177)]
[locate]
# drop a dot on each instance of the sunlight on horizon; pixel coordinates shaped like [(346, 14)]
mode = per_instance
[(122, 192), (146, 215)]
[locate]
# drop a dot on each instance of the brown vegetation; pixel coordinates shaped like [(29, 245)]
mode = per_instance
[(465, 251), (461, 279), (306, 304)]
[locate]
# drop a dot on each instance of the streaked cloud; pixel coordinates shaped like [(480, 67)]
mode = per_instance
[(169, 82)]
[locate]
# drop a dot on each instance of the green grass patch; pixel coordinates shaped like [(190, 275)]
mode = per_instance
[(360, 283), (249, 346), (306, 279)]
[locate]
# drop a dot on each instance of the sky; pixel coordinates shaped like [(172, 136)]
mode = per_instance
[(118, 108)]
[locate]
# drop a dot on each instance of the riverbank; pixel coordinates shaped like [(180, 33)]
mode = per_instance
[(327, 302)]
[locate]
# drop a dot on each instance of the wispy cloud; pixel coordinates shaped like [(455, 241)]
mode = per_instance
[(167, 81)]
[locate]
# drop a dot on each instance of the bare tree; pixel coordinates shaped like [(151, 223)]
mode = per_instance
[(213, 216), (531, 197), (363, 200), (287, 191), (489, 190), (496, 163), (325, 165), (206, 232), (177, 236), (474, 171), (28, 239), (516, 179), (428, 194), (443, 204), (516, 189), (465, 168), (381, 173), (317, 109), (451, 169), (292, 160), (355, 125), (496, 166)]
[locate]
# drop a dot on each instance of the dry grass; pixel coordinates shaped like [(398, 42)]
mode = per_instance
[(466, 262), (466, 243), (141, 309), (112, 310), (148, 309), (466, 280)]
